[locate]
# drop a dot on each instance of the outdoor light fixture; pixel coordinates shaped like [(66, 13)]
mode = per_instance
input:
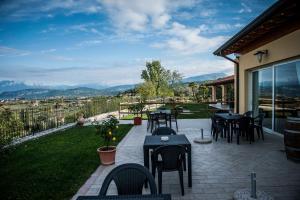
[(259, 54)]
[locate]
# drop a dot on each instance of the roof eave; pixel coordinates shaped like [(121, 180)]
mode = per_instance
[(250, 26)]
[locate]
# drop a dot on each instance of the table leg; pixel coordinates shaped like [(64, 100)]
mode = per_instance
[(189, 151), (146, 161), (228, 131)]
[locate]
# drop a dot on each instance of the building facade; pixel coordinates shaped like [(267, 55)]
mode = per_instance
[(267, 64)]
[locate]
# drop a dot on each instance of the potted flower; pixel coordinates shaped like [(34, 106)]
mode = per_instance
[(106, 129), (137, 109)]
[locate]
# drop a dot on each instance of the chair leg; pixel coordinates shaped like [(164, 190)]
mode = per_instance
[(238, 137), (181, 181), (258, 132), (184, 163), (176, 125), (262, 133), (159, 173)]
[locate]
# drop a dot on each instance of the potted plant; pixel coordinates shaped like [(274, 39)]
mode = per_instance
[(106, 129), (80, 119), (137, 109)]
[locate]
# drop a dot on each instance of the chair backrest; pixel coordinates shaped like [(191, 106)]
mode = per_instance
[(175, 113), (129, 179), (244, 123), (248, 113), (164, 131), (171, 156), (261, 117)]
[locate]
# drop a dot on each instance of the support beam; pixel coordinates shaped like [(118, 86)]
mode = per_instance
[(213, 93), (224, 93)]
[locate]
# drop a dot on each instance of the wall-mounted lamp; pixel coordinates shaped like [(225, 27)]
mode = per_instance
[(237, 56), (259, 54)]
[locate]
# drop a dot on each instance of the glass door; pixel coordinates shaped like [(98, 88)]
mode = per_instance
[(287, 93), (262, 92), (276, 92)]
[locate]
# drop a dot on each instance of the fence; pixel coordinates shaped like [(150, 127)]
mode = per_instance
[(22, 122), (190, 110)]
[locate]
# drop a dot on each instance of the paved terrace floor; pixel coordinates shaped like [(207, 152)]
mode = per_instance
[(219, 168)]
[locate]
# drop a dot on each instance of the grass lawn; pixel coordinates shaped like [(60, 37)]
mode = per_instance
[(196, 111), (53, 166)]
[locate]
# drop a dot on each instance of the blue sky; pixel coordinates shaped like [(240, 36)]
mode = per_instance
[(108, 42)]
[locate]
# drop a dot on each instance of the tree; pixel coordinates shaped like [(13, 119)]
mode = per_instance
[(158, 76), (146, 90), (194, 87), (203, 93)]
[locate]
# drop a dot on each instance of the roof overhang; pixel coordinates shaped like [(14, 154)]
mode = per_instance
[(281, 18), (221, 81)]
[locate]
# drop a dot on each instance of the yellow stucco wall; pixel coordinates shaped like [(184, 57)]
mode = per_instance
[(283, 48)]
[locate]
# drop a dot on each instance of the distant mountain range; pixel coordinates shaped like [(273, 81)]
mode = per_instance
[(11, 89), (204, 77)]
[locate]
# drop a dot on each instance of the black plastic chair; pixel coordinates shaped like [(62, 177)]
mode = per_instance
[(129, 179), (258, 125), (166, 159), (150, 120), (174, 117), (164, 131), (217, 126), (248, 114), (160, 119), (242, 127)]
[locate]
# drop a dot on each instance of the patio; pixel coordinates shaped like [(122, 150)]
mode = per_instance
[(218, 169)]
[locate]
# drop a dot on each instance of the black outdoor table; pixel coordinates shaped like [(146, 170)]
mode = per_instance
[(128, 197), (152, 142), (230, 118)]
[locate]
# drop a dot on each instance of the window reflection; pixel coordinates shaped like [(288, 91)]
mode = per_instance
[(287, 93)]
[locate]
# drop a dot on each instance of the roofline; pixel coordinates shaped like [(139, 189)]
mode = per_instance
[(246, 29)]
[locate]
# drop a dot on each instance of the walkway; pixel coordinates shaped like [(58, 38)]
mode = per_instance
[(218, 168)]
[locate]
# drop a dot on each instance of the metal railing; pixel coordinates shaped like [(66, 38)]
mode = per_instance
[(28, 121)]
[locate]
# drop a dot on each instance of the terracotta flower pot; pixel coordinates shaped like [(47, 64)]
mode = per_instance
[(80, 121), (107, 156), (137, 121)]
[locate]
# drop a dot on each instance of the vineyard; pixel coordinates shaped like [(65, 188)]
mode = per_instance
[(28, 120)]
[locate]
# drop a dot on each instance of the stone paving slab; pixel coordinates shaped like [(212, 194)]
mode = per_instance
[(219, 168)]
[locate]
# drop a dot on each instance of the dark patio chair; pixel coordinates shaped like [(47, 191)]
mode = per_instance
[(166, 159), (129, 179), (174, 117), (164, 131), (242, 127), (248, 114), (150, 120), (160, 119), (217, 126), (258, 125)]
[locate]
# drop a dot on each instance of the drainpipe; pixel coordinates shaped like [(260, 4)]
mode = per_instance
[(237, 80)]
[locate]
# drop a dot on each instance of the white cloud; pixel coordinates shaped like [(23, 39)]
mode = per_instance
[(89, 43), (48, 51), (208, 12), (187, 40), (8, 51), (137, 15), (245, 9), (34, 9)]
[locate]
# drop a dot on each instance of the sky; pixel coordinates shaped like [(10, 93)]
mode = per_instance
[(108, 42)]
